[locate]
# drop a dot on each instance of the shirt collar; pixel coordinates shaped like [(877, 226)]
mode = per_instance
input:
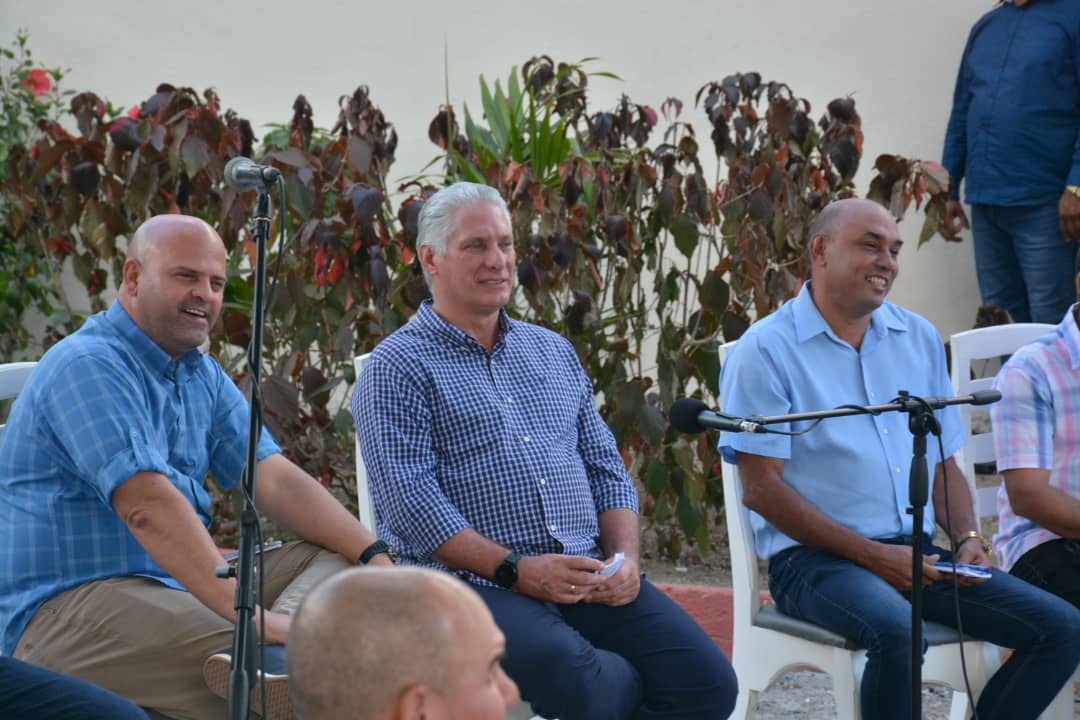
[(430, 320), (149, 351), (809, 321)]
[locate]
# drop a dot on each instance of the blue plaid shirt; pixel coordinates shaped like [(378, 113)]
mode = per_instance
[(102, 405), (508, 443)]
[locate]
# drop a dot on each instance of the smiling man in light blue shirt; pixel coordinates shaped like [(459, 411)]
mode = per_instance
[(832, 502)]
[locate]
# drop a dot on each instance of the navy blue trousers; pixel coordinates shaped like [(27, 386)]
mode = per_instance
[(1053, 566), (837, 594), (640, 661), (29, 692)]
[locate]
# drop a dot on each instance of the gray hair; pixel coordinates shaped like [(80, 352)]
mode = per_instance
[(436, 223)]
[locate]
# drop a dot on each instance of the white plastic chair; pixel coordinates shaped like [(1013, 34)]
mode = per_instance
[(365, 508), (975, 352), (12, 378), (767, 643)]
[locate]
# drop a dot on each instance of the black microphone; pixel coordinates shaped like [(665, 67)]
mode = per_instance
[(979, 397), (243, 173), (985, 397), (690, 415)]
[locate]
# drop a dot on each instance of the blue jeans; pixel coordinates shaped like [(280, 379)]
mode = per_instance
[(1023, 263), (835, 593), (644, 660), (29, 692)]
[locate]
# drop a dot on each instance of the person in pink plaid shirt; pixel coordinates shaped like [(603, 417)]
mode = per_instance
[(1037, 444)]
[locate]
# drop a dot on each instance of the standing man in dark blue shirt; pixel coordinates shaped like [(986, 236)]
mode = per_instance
[(1014, 137), (488, 459)]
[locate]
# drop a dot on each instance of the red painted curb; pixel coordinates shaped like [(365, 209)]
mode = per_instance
[(710, 606)]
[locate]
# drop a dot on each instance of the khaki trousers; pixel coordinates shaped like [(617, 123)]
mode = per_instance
[(148, 642)]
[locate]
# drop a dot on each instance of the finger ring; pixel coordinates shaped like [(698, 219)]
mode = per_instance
[(573, 588)]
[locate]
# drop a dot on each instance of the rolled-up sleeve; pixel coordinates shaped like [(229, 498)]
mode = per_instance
[(394, 426), (610, 483), (1022, 422)]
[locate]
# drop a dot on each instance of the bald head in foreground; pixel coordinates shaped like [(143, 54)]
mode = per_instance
[(397, 644)]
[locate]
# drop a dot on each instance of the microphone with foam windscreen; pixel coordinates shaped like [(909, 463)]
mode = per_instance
[(979, 397), (690, 415), (243, 173)]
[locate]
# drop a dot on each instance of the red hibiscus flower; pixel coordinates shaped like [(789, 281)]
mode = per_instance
[(37, 81)]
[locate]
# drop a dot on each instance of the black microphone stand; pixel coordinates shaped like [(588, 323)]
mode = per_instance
[(921, 422), (242, 672)]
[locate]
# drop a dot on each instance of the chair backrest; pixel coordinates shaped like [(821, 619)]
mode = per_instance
[(975, 361), (722, 353), (12, 378), (365, 507), (744, 561)]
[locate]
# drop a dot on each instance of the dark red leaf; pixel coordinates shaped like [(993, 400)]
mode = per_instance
[(85, 178)]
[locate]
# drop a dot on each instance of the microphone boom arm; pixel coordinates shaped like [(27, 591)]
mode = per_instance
[(904, 403)]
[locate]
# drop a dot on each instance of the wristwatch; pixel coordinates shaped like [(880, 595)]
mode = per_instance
[(973, 534), (506, 572), (375, 548)]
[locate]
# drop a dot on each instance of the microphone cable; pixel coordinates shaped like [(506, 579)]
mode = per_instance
[(256, 410), (955, 577)]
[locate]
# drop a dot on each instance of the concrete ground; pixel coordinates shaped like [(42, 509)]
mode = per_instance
[(808, 696)]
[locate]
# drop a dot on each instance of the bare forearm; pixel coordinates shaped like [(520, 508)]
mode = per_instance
[(293, 500), (620, 532), (765, 492), (960, 515), (167, 527), (469, 550), (1032, 496)]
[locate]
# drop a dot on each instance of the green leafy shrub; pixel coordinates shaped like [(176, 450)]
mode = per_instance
[(30, 99), (624, 245)]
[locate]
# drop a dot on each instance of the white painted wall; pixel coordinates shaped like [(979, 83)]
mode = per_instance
[(897, 58)]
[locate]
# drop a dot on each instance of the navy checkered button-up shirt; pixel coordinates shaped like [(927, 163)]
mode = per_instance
[(508, 443)]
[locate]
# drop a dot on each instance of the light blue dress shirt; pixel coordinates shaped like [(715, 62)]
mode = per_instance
[(101, 405), (854, 469)]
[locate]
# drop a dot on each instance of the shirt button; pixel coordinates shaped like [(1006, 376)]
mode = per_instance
[(509, 400), (872, 393), (553, 528), (525, 439), (542, 481), (885, 431), (897, 469)]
